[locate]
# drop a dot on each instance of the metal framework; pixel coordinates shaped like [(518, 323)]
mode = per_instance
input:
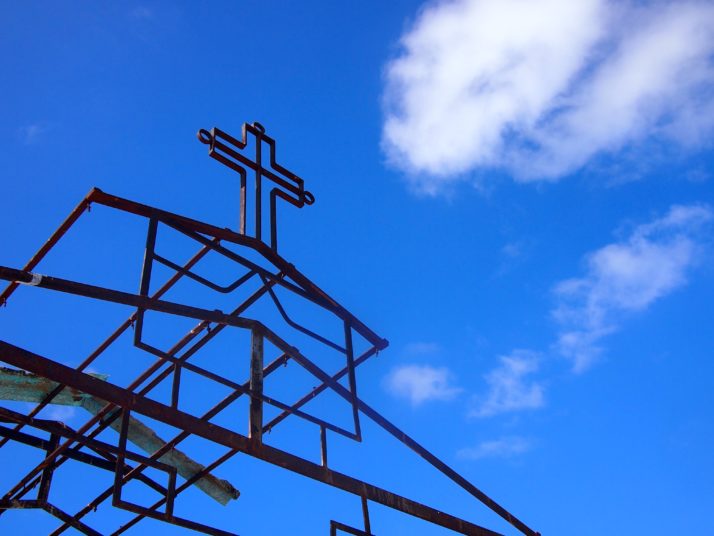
[(45, 380)]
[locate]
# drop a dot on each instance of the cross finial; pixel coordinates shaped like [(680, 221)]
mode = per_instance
[(231, 152)]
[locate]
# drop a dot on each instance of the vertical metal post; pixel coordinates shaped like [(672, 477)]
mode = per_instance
[(44, 491), (323, 446), (365, 516), (121, 456), (241, 224), (146, 274), (273, 221), (349, 351), (176, 386), (256, 386), (258, 181)]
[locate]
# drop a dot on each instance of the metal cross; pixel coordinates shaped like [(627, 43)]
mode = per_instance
[(288, 186)]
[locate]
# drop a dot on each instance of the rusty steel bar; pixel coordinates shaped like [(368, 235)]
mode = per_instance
[(102, 198), (115, 335), (154, 410), (272, 367), (255, 428), (126, 298), (48, 245)]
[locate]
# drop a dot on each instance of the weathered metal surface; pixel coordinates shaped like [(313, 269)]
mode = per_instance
[(20, 386), (114, 407)]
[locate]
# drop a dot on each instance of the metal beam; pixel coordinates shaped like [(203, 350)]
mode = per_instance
[(37, 364)]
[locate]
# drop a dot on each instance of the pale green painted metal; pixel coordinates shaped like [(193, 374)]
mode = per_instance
[(20, 386)]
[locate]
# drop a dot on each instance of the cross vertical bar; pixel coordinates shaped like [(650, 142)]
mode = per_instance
[(258, 182), (241, 227)]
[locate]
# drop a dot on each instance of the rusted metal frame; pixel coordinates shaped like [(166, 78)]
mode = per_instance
[(79, 456), (312, 368), (54, 511), (107, 461), (443, 468), (106, 422), (228, 400), (352, 378), (213, 286), (120, 478), (121, 397), (255, 423), (232, 255), (365, 515), (317, 390), (43, 493), (336, 525), (242, 202), (315, 293), (256, 395), (298, 327), (144, 302), (317, 299), (222, 459), (26, 483), (63, 516), (145, 281), (323, 446), (213, 140), (115, 335), (126, 298), (258, 195), (100, 416), (274, 194), (62, 430), (179, 521), (108, 451), (413, 445), (48, 245)]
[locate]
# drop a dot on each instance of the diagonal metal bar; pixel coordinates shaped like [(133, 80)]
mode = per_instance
[(131, 401)]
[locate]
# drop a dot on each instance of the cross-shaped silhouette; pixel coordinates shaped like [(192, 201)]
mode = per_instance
[(288, 186)]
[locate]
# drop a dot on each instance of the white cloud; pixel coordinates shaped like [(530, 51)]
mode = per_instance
[(509, 387), (539, 87), (421, 383), (626, 276), (504, 447)]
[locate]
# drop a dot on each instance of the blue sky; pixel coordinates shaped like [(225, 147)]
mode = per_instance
[(518, 195)]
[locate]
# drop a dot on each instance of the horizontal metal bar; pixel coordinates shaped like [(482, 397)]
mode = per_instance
[(37, 364), (126, 298), (102, 198), (48, 245)]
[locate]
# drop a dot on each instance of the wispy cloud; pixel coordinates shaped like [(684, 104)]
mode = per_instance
[(421, 383), (626, 276), (504, 447), (31, 133), (540, 87), (422, 348), (142, 12), (59, 413), (510, 387)]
